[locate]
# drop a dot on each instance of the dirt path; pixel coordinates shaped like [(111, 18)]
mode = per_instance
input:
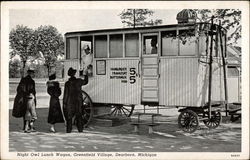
[(167, 138)]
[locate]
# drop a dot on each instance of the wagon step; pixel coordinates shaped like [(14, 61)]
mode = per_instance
[(201, 119), (236, 103), (150, 126), (145, 123), (152, 114), (235, 114)]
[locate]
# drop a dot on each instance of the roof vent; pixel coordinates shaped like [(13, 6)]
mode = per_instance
[(186, 16)]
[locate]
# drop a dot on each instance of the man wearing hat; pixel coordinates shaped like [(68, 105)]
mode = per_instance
[(73, 100), (26, 90)]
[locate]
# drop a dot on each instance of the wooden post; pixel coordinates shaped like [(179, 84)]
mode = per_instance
[(150, 129), (224, 71), (210, 69), (136, 128)]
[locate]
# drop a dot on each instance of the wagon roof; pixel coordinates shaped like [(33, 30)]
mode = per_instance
[(129, 29)]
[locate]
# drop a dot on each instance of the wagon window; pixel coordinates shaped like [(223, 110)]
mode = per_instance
[(187, 42), (150, 44), (86, 54), (86, 42), (101, 46), (132, 45), (232, 71), (116, 46), (202, 44), (71, 45), (169, 43)]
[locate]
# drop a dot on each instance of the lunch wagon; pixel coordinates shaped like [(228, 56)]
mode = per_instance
[(181, 65)]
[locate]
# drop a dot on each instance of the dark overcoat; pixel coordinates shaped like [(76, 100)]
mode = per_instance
[(24, 88), (72, 97), (55, 112)]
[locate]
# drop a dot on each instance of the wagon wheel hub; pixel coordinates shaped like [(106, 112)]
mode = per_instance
[(214, 120), (188, 121), (121, 110)]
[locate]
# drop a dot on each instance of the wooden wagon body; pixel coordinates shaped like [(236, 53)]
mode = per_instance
[(124, 72)]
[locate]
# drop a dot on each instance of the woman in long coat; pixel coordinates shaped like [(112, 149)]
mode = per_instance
[(25, 101), (55, 112)]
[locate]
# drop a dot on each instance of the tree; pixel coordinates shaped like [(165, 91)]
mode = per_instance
[(230, 19), (49, 44), (14, 68), (138, 17), (22, 43)]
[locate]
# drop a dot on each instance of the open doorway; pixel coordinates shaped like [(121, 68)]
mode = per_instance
[(86, 56)]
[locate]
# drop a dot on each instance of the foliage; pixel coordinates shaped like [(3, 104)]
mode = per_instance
[(40, 71), (59, 69), (49, 44), (14, 68), (230, 19), (138, 17), (22, 43), (43, 44)]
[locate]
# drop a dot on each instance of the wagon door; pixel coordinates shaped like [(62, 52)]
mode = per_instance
[(150, 68)]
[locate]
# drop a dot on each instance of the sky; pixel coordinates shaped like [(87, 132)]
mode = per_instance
[(68, 20)]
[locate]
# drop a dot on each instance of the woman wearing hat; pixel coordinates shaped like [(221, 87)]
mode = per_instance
[(73, 100), (55, 112)]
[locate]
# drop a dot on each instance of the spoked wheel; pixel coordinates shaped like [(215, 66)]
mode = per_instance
[(214, 121), (87, 109), (188, 121), (121, 110)]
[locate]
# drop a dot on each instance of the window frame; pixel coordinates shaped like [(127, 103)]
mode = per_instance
[(107, 45), (173, 55), (68, 46), (138, 45), (195, 46), (178, 43), (109, 42), (145, 34), (235, 68)]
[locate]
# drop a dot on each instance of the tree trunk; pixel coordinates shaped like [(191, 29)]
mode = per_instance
[(22, 72), (48, 69)]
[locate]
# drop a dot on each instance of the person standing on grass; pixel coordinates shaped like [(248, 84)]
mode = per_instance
[(73, 100), (25, 101), (55, 112)]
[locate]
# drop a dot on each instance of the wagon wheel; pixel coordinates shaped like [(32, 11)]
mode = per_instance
[(87, 109), (121, 110), (188, 121), (214, 121)]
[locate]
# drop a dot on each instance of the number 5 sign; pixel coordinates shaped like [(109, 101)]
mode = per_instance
[(132, 75)]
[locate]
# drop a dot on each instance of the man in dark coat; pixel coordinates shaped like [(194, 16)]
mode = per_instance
[(27, 93), (73, 100)]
